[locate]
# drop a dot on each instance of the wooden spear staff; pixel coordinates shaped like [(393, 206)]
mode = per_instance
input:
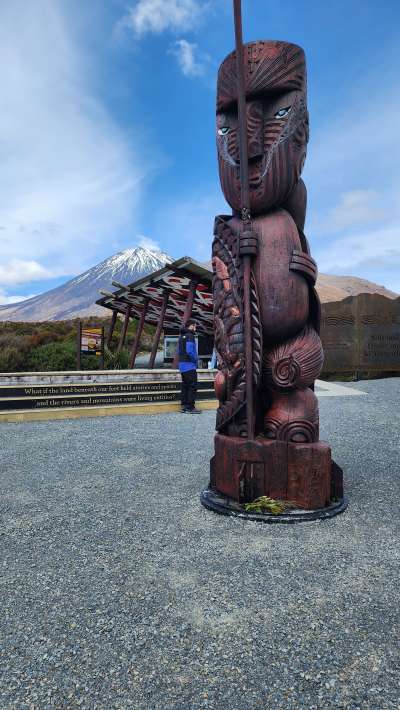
[(248, 239)]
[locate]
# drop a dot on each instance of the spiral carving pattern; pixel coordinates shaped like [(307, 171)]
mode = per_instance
[(295, 363), (285, 372)]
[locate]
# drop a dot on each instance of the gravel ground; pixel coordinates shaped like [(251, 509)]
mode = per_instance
[(119, 590)]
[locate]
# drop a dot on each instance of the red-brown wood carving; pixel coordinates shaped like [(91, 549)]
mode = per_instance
[(285, 459)]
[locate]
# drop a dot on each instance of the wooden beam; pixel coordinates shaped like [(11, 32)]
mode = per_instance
[(111, 328), (122, 287), (124, 330), (190, 301), (141, 323), (187, 313), (189, 275), (160, 324)]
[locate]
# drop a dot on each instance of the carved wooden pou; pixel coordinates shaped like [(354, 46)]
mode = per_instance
[(285, 458)]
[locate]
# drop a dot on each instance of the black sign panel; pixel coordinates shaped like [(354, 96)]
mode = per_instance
[(92, 388), (98, 400)]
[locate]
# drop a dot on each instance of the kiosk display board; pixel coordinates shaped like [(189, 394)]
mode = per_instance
[(90, 341)]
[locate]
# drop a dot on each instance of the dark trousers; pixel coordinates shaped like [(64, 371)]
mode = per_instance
[(189, 389)]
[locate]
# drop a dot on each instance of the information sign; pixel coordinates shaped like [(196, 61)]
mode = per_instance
[(92, 340)]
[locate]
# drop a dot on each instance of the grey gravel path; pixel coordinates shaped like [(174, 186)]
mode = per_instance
[(120, 591)]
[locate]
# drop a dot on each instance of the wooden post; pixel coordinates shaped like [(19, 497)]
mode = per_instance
[(102, 348), (187, 314), (124, 329), (159, 329), (111, 328), (190, 301), (141, 323), (78, 344)]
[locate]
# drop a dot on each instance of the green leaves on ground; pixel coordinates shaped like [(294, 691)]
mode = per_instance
[(267, 505)]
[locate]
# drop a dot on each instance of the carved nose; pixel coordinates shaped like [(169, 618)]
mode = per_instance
[(255, 126)]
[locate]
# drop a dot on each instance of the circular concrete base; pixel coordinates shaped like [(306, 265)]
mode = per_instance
[(217, 502)]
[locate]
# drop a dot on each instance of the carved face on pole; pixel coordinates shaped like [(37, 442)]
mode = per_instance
[(277, 123)]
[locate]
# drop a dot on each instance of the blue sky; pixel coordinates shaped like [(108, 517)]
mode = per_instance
[(108, 140)]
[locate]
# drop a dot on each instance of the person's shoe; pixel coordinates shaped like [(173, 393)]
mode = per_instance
[(184, 410), (194, 411)]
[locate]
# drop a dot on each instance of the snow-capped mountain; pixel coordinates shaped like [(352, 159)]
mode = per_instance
[(77, 297)]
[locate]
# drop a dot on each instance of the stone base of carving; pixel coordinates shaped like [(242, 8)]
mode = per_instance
[(212, 500), (303, 474)]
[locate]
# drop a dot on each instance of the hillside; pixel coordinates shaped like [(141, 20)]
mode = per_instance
[(77, 297), (336, 288)]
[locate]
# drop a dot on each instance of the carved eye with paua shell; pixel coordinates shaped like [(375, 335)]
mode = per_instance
[(224, 130), (283, 112)]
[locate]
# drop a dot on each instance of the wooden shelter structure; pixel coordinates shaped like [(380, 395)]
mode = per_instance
[(166, 299)]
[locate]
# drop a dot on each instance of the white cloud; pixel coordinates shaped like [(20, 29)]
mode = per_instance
[(157, 16), (69, 181), (18, 271), (356, 207), (353, 183), (148, 243), (363, 240), (8, 300), (187, 56), (375, 247)]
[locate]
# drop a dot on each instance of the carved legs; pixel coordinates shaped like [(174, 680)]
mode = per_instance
[(296, 472)]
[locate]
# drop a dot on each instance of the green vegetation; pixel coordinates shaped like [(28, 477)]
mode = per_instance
[(115, 360), (267, 505), (51, 345)]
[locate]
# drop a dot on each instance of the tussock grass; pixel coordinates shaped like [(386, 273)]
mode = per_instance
[(264, 504)]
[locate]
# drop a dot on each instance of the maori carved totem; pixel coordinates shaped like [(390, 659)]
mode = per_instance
[(271, 448)]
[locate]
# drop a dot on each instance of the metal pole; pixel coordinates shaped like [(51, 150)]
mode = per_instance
[(159, 329), (245, 200)]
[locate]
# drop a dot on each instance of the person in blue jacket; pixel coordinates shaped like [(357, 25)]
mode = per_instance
[(188, 362)]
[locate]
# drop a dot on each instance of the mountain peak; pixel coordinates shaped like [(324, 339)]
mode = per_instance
[(141, 249), (140, 258), (126, 266), (77, 297)]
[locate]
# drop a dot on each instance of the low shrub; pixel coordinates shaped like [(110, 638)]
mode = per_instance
[(12, 359), (114, 360), (51, 345), (52, 356)]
